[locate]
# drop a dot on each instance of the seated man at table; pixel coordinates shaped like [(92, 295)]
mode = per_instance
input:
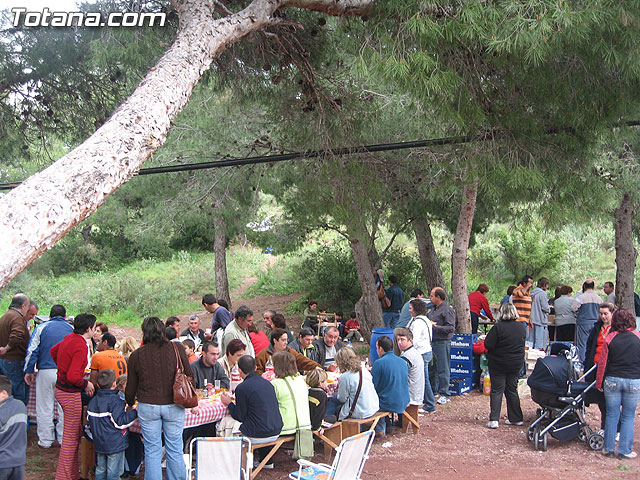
[(207, 367), (194, 332), (256, 407), (279, 344), (391, 379), (326, 349), (304, 343)]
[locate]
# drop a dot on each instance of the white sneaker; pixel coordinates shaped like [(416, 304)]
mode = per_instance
[(618, 437), (493, 424), (443, 399), (519, 424)]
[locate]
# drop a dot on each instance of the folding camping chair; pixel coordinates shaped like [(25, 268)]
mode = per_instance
[(220, 458), (348, 464)]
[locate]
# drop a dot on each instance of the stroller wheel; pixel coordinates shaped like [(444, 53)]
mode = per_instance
[(595, 441), (530, 432), (585, 433), (540, 441)]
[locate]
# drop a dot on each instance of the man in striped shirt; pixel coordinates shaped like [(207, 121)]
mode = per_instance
[(522, 300)]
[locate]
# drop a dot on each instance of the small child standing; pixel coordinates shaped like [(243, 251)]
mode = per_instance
[(353, 329), (13, 433), (109, 422)]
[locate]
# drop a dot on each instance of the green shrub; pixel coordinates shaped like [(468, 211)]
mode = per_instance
[(527, 250)]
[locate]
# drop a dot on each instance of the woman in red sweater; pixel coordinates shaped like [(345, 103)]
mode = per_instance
[(71, 357), (477, 303)]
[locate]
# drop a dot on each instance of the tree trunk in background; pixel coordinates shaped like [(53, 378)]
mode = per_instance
[(220, 252), (626, 253), (38, 213), (368, 307), (459, 257), (428, 257)]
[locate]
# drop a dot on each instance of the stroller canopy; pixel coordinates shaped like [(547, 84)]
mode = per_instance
[(551, 375)]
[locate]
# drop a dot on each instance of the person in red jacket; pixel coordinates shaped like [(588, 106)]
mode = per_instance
[(71, 357), (353, 329), (477, 303)]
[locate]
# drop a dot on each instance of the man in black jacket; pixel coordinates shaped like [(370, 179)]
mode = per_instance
[(256, 407)]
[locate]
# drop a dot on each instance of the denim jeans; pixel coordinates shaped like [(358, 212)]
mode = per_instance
[(333, 407), (13, 370), (582, 334), (625, 393), (538, 336), (109, 467), (441, 370), (429, 399), (167, 420), (390, 319)]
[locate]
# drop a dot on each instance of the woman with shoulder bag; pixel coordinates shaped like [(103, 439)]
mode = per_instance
[(293, 399), (151, 375)]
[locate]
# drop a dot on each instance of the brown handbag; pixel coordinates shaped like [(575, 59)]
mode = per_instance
[(183, 392)]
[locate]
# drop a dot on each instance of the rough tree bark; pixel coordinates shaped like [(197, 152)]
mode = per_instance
[(428, 256), (34, 216), (459, 257), (220, 253), (368, 307), (626, 253)]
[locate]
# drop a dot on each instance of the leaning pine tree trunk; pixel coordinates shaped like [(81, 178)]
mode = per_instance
[(368, 306), (459, 257), (428, 256), (220, 252), (626, 253), (38, 213)]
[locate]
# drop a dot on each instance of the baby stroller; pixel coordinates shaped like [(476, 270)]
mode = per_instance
[(560, 395)]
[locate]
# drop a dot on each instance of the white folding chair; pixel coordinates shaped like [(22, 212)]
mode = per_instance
[(220, 458), (351, 455)]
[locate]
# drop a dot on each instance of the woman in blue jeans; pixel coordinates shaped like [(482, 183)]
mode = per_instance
[(151, 372), (619, 377)]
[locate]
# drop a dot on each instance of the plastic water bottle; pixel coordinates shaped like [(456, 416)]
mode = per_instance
[(486, 388), (269, 366)]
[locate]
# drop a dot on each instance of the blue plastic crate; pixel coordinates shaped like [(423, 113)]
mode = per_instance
[(458, 386), (461, 354), (462, 340), (462, 369)]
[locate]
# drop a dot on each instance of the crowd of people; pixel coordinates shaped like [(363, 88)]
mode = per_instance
[(278, 378), (78, 363), (605, 336)]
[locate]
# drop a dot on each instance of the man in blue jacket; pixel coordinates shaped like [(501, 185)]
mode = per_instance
[(256, 407), (109, 423), (391, 380), (45, 336), (395, 294)]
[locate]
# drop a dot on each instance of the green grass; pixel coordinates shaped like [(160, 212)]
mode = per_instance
[(282, 278), (143, 288)]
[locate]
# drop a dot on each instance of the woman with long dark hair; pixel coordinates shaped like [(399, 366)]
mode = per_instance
[(619, 377), (151, 372)]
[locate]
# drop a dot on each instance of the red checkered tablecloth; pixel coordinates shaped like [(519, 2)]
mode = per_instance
[(332, 389), (209, 412), (31, 405)]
